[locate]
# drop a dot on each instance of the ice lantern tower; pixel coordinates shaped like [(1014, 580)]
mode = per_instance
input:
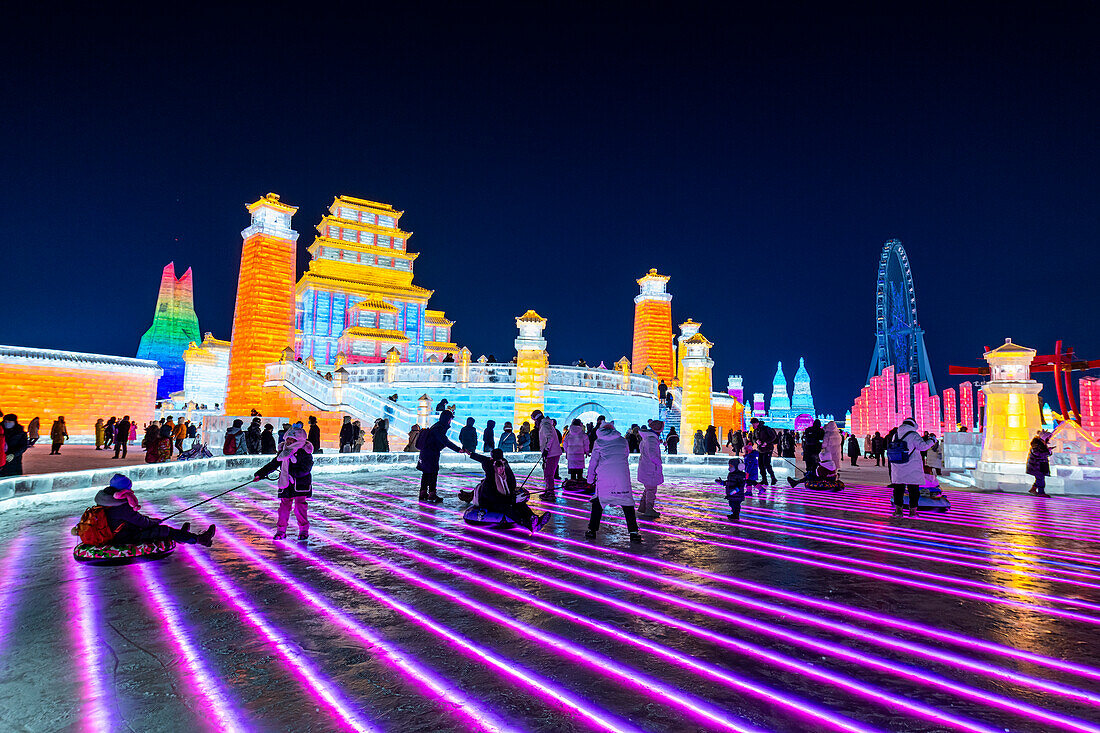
[(263, 320), (1012, 407), (653, 327), (531, 367), (695, 381)]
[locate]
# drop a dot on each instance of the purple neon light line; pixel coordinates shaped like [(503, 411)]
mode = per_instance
[(198, 675), (9, 569), (819, 646), (841, 609), (322, 689), (92, 715), (538, 685), (687, 704), (932, 555), (727, 678), (866, 573), (399, 661)]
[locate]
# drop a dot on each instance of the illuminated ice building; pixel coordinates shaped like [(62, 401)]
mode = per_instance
[(791, 412), (358, 298), (174, 327)]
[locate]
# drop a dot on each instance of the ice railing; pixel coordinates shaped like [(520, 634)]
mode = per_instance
[(493, 374)]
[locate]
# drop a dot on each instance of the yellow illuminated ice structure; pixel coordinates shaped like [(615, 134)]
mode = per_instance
[(1012, 407), (653, 327), (695, 381), (531, 366), (263, 321), (687, 329)]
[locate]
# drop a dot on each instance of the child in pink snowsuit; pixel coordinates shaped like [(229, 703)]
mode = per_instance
[(294, 461)]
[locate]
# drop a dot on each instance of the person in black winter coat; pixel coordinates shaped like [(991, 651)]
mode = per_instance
[(812, 441), (431, 443), (710, 440), (878, 448), (294, 462), (672, 441), (488, 440), (1038, 463), (267, 440), (314, 434), (132, 527), (491, 498), (252, 437), (380, 436), (347, 435), (122, 436), (468, 436), (16, 444)]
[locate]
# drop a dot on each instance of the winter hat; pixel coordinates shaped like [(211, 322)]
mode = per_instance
[(496, 454), (656, 425), (294, 440), (536, 414), (238, 422), (120, 482), (735, 464)]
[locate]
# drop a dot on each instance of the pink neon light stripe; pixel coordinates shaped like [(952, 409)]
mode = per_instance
[(92, 716), (9, 569), (199, 678)]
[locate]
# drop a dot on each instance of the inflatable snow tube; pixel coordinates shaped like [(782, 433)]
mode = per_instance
[(929, 501), (822, 484), (475, 516), (578, 486), (120, 554)]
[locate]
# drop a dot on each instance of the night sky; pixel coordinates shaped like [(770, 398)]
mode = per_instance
[(546, 159)]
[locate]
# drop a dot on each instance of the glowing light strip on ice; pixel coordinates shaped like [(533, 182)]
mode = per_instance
[(9, 569), (92, 715)]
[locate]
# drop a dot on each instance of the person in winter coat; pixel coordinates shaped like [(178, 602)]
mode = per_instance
[(99, 427), (59, 433), (294, 462), (734, 483), (867, 446), (488, 437), (497, 492), (699, 444), (507, 439), (151, 442), (122, 435), (765, 443), (431, 442), (710, 441), (536, 420), (109, 432), (1038, 462), (414, 436), (234, 439), (672, 441), (179, 435), (853, 449), (551, 454), (252, 437), (878, 448), (590, 431), (908, 473), (380, 436), (752, 468), (609, 470), (15, 445), (632, 439), (467, 437), (347, 435), (132, 434), (650, 469), (267, 440), (120, 505), (314, 434), (523, 438), (737, 442), (576, 448), (812, 440), (32, 431)]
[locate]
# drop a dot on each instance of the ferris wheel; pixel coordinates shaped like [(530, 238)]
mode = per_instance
[(899, 339)]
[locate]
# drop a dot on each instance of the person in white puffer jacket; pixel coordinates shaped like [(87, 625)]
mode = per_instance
[(576, 447), (551, 452), (909, 474), (609, 470), (650, 469)]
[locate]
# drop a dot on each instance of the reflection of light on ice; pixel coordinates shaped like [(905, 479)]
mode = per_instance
[(93, 714)]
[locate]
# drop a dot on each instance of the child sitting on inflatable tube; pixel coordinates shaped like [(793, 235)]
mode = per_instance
[(735, 488), (294, 462), (497, 492), (131, 527), (825, 470)]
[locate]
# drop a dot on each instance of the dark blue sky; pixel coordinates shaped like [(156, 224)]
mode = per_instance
[(548, 160)]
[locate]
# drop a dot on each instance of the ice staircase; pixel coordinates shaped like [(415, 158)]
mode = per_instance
[(670, 415)]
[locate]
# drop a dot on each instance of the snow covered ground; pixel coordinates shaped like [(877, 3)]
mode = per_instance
[(815, 612)]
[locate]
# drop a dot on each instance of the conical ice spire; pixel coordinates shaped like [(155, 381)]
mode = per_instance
[(174, 327)]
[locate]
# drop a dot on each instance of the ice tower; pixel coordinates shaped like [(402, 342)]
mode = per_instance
[(695, 381), (531, 367), (653, 327), (174, 327), (1012, 408), (802, 401), (263, 321), (780, 402), (687, 329)]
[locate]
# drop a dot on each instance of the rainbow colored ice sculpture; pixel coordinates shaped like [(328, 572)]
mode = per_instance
[(175, 326)]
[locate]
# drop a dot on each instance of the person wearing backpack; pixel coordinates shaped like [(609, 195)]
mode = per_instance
[(234, 439), (431, 443), (906, 464), (294, 462), (115, 520), (497, 492)]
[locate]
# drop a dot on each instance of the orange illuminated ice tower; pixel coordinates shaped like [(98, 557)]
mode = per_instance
[(263, 321), (653, 327)]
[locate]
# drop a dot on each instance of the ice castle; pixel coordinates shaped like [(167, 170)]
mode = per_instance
[(785, 410)]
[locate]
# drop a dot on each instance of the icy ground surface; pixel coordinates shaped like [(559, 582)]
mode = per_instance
[(816, 612)]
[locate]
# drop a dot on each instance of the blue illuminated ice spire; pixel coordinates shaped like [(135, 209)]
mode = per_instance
[(802, 402), (780, 401)]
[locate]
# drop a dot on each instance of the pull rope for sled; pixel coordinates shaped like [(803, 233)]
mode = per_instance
[(181, 511), (539, 461)]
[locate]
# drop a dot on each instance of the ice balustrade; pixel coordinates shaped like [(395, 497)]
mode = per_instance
[(590, 378)]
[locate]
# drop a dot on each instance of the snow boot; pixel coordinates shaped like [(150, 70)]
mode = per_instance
[(206, 539), (590, 534), (635, 538), (280, 534)]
